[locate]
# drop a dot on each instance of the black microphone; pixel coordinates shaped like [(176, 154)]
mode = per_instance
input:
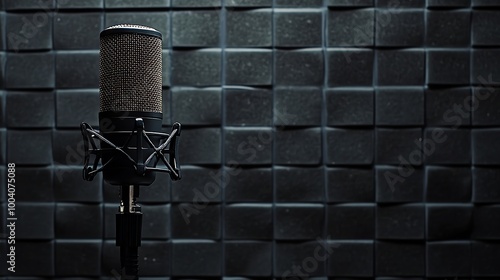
[(130, 141), (130, 87), (130, 117)]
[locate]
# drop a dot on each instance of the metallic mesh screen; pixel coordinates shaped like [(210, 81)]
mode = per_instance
[(130, 73)]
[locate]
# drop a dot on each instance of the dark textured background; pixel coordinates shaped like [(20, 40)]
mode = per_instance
[(314, 100)]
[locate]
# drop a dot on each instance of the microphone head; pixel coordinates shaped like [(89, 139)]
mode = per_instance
[(130, 69)]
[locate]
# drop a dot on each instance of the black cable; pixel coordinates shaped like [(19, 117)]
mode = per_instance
[(129, 257)]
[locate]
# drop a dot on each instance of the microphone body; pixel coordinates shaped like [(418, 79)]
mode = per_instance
[(130, 89)]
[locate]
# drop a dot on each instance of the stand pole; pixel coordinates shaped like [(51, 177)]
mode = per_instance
[(128, 232)]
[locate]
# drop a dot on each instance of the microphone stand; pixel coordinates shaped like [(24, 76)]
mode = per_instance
[(129, 217), (128, 231)]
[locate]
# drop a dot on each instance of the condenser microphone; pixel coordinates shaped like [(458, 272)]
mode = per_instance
[(130, 115), (130, 87), (130, 142)]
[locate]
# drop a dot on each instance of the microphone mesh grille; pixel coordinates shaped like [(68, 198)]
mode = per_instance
[(130, 71), (126, 25)]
